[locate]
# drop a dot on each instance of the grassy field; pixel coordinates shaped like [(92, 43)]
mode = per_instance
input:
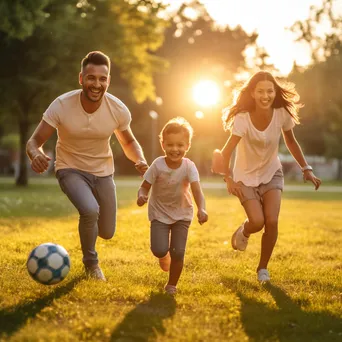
[(219, 298)]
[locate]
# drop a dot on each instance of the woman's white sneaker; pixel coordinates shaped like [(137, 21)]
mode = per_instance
[(263, 275), (239, 240)]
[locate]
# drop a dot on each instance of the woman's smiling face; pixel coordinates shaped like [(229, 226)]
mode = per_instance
[(264, 94)]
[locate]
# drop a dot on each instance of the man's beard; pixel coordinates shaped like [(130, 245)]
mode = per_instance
[(86, 92)]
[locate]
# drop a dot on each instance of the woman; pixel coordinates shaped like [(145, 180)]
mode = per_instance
[(262, 110)]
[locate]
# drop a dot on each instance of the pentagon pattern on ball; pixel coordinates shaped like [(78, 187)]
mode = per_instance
[(48, 263)]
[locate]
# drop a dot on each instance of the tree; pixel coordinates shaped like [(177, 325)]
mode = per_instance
[(320, 85), (196, 49), (42, 56), (321, 118), (322, 30), (20, 18)]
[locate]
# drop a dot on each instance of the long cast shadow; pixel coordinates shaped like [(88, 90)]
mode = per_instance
[(14, 317), (287, 322), (146, 319)]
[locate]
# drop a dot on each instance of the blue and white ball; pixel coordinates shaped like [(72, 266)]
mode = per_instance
[(48, 263)]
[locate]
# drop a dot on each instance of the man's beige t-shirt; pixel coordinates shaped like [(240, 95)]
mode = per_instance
[(170, 199), (84, 139), (257, 158)]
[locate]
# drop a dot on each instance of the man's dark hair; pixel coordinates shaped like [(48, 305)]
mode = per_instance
[(96, 58)]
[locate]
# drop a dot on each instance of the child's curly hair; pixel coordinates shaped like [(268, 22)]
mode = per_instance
[(177, 125)]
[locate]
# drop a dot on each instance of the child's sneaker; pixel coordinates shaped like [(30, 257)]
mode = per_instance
[(95, 272), (239, 240), (165, 262), (263, 275), (170, 289)]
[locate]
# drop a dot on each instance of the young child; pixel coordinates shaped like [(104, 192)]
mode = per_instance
[(170, 208)]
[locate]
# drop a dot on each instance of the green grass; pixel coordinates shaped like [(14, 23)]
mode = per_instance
[(219, 298)]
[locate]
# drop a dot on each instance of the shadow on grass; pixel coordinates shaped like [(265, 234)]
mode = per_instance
[(145, 321), (14, 317), (288, 321)]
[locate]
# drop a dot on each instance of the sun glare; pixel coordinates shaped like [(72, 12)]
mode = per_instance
[(199, 114), (206, 93)]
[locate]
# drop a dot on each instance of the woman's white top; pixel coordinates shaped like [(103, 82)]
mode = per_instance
[(256, 159)]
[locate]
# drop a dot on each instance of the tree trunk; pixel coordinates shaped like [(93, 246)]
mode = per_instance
[(339, 170), (22, 179)]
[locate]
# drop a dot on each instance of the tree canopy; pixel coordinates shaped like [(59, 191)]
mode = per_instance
[(320, 85), (42, 43), (197, 49)]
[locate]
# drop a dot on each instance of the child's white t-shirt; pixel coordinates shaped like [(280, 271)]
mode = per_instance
[(170, 198), (257, 158), (84, 139)]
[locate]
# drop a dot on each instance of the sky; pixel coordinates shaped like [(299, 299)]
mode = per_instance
[(269, 18)]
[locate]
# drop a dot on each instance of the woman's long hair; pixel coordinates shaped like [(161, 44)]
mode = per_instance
[(286, 97)]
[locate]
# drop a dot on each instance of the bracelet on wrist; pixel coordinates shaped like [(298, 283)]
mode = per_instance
[(307, 168), (227, 177)]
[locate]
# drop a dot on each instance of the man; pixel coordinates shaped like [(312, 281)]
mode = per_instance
[(85, 120)]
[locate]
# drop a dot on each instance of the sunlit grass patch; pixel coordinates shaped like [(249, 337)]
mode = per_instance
[(219, 298)]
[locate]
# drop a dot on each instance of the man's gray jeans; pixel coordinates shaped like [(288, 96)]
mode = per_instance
[(95, 199)]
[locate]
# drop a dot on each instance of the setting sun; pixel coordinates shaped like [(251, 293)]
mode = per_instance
[(206, 93), (199, 114)]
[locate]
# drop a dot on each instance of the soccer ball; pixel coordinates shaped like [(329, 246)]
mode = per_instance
[(48, 263)]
